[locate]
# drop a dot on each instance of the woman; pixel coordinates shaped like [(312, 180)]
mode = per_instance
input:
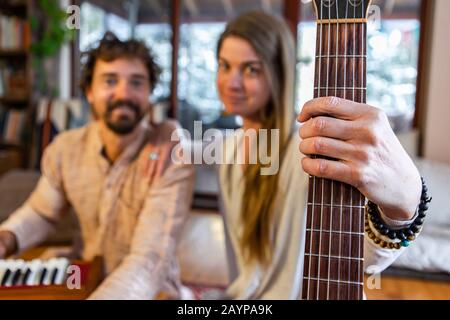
[(265, 214)]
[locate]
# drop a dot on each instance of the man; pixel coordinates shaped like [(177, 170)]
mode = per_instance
[(130, 209)]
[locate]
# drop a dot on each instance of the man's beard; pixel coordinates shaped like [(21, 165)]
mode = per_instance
[(124, 124)]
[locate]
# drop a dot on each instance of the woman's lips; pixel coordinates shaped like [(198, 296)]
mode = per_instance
[(235, 100)]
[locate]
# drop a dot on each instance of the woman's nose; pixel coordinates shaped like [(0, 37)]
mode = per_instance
[(235, 80)]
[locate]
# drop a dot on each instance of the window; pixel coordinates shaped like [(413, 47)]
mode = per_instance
[(202, 22), (153, 27), (393, 49)]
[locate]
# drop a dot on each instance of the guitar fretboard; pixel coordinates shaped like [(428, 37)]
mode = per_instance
[(333, 263)]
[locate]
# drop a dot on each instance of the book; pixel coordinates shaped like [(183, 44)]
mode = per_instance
[(13, 127), (14, 33)]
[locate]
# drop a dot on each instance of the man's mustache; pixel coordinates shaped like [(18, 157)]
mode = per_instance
[(112, 105)]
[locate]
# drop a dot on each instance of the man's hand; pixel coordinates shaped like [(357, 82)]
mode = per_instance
[(8, 244), (158, 150), (367, 152)]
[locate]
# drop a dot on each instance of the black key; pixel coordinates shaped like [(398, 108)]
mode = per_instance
[(16, 277), (5, 277), (26, 276), (44, 272), (53, 276)]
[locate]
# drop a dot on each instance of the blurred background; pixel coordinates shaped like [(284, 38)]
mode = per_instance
[(408, 77)]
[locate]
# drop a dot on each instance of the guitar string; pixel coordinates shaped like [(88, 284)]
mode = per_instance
[(360, 215), (314, 177), (351, 188), (331, 181), (341, 184), (321, 180)]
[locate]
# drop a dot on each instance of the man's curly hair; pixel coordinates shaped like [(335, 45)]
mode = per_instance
[(111, 48)]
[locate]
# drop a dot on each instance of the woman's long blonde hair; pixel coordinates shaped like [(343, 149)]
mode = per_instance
[(272, 40)]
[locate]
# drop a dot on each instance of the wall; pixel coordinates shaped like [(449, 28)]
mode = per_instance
[(437, 125)]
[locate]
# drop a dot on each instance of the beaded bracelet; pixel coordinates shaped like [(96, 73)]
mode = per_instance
[(405, 235)]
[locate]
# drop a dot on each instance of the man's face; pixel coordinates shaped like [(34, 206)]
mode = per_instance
[(119, 93)]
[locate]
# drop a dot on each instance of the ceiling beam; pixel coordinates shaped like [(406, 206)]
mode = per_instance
[(155, 6), (266, 5), (389, 7), (228, 7), (192, 7)]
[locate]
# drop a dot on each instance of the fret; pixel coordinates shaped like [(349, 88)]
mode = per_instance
[(335, 205), (333, 268), (336, 281), (349, 94), (323, 290), (341, 244), (342, 193), (345, 56), (342, 73), (333, 257), (341, 40), (338, 232), (340, 88)]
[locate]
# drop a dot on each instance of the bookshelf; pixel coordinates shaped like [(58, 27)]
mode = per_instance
[(16, 112)]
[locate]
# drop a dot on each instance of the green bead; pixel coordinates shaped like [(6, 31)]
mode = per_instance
[(404, 243)]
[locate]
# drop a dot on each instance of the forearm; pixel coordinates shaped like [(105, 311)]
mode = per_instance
[(28, 226), (137, 278)]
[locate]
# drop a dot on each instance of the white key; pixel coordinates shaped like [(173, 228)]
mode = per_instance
[(49, 265), (13, 266), (36, 267), (23, 271), (2, 270), (62, 265)]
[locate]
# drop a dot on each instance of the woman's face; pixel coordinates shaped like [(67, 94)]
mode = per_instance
[(241, 79)]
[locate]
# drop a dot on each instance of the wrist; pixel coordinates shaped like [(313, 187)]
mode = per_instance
[(406, 209), (404, 231), (400, 213)]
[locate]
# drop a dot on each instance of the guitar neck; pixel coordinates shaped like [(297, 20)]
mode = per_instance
[(333, 263)]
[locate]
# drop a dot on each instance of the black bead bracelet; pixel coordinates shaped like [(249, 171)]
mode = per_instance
[(405, 235)]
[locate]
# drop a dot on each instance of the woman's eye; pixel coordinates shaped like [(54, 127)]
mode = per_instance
[(223, 66), (252, 71)]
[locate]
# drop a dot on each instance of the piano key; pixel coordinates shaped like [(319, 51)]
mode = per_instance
[(62, 266), (23, 270), (35, 274), (50, 266), (3, 269), (15, 276), (53, 275), (13, 266), (42, 276), (5, 277), (26, 276)]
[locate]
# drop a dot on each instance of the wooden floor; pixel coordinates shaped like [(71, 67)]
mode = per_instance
[(397, 288)]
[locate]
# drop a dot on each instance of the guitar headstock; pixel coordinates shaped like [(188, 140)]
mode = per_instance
[(341, 10)]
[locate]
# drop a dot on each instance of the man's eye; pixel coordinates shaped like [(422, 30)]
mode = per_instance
[(136, 83), (110, 81)]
